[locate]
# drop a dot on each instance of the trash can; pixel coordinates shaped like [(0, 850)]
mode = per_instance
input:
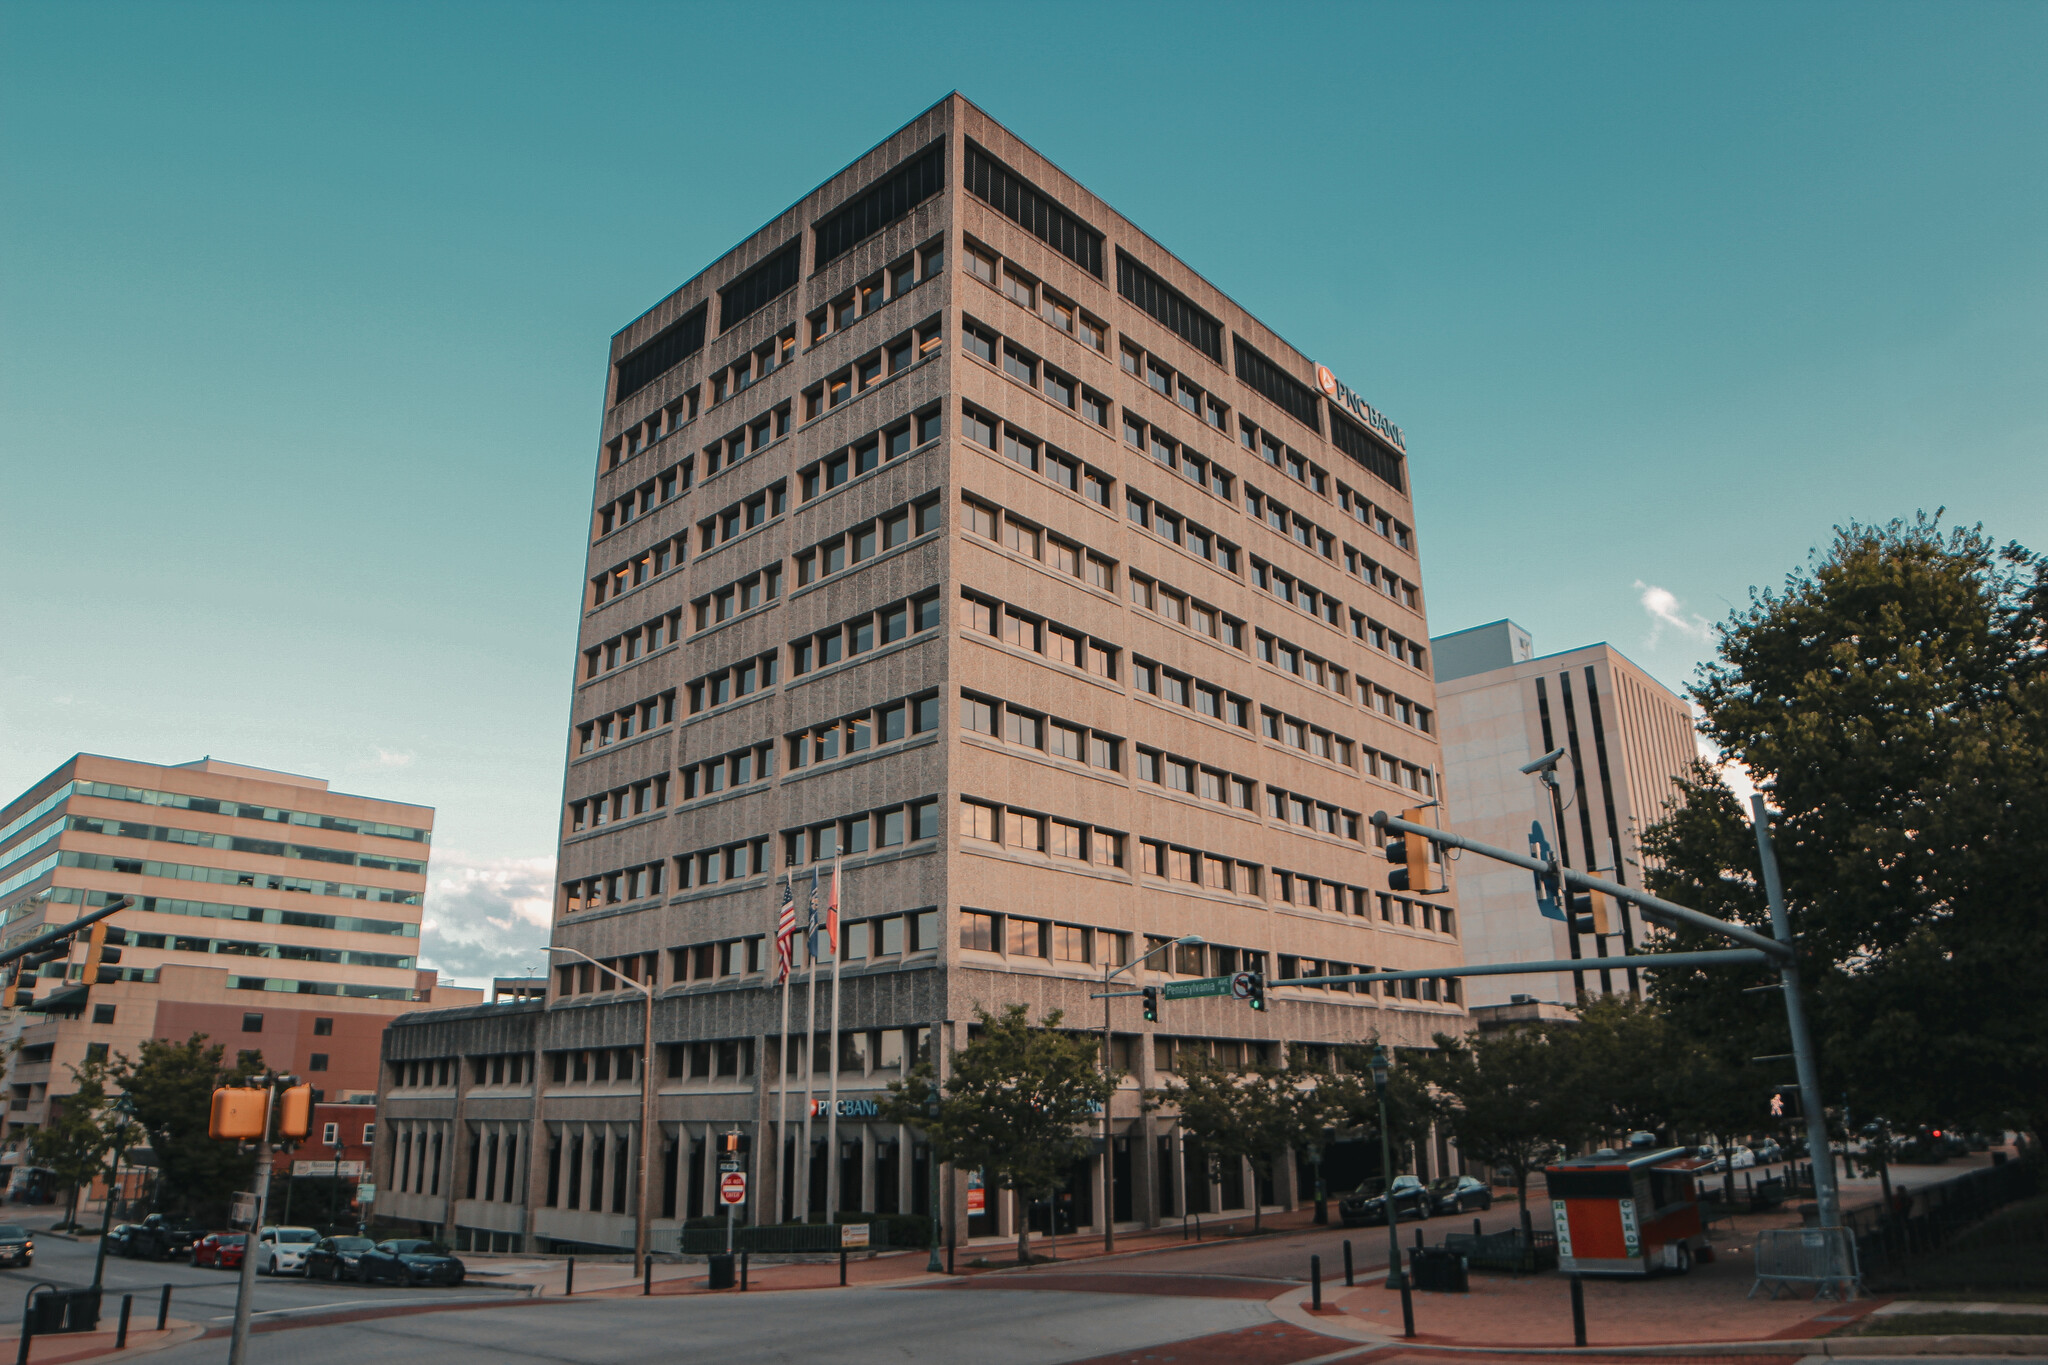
[(1437, 1271), (82, 1313), (46, 1311), (724, 1274)]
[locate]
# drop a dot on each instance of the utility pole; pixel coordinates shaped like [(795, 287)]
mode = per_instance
[(245, 1292)]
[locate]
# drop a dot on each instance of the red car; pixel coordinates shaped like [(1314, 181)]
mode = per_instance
[(222, 1249)]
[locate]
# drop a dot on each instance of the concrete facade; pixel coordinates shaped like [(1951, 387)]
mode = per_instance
[(272, 914), (1627, 739), (995, 550)]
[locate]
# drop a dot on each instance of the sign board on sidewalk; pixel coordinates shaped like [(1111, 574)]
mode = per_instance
[(366, 1193), (244, 1211), (852, 1235), (732, 1187), (1187, 990), (303, 1169)]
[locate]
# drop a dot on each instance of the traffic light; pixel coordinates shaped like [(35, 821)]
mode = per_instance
[(737, 1143), (1784, 1103), (1410, 855), (1257, 999), (99, 956), (21, 991), (1151, 1004), (1590, 913), (239, 1113), (295, 1112)]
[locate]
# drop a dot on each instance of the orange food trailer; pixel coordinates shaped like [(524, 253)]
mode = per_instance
[(1628, 1213)]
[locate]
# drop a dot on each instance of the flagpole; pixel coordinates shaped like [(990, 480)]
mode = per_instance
[(783, 946), (810, 1034), (832, 1200)]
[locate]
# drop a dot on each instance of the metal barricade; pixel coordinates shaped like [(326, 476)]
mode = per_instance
[(785, 1239), (1824, 1258)]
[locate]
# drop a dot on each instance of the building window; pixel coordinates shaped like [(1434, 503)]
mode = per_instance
[(317, 1062), (103, 1014), (330, 1134), (322, 1027), (252, 1023)]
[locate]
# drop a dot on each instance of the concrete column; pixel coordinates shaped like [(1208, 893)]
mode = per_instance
[(536, 1145), (456, 1164)]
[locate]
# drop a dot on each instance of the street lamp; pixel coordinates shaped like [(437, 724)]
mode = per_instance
[(1395, 1280), (123, 1110), (646, 1097), (1108, 1137)]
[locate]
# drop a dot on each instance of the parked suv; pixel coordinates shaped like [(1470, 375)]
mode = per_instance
[(162, 1237)]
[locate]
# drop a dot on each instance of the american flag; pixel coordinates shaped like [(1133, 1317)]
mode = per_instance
[(785, 930)]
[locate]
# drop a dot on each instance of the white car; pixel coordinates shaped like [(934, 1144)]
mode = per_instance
[(282, 1251)]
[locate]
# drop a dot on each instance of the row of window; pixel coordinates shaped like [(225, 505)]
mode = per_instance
[(613, 888), (849, 735), (1022, 288), (1176, 688), (622, 803), (1022, 936), (1151, 595), (1298, 593), (644, 567), (755, 763), (1021, 448), (1032, 730), (1309, 667), (288, 952), (747, 440), (753, 366), (626, 722), (252, 914), (1394, 645), (867, 453), (632, 645), (1382, 579), (733, 681), (269, 848), (1184, 532), (870, 630), (1197, 868), (1020, 363), (1174, 385), (885, 361), (743, 516), (208, 805), (755, 590), (897, 526), (1034, 833), (981, 616), (889, 827), (885, 286), (1368, 514)]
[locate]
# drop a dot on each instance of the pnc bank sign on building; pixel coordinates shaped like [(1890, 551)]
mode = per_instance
[(1340, 393)]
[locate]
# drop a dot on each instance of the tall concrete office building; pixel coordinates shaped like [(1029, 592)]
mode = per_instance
[(271, 914), (1626, 737), (951, 528)]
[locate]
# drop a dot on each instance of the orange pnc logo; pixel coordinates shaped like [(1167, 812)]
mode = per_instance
[(1326, 381)]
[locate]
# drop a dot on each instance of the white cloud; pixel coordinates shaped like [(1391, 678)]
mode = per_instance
[(1666, 610), (486, 917), (391, 758)]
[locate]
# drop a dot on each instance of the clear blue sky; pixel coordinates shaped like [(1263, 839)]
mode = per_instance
[(304, 310)]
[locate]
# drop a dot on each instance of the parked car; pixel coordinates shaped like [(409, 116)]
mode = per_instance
[(282, 1251), (408, 1261), (337, 1258), (116, 1240), (163, 1237), (222, 1250), (1368, 1203), (16, 1246), (1769, 1152), (1459, 1194)]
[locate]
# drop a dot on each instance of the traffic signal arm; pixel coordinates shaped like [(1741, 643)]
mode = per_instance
[(63, 933), (1580, 881)]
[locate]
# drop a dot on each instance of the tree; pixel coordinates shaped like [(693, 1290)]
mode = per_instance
[(1637, 1069), (1330, 1103), (1249, 1115), (1012, 1104), (73, 1141), (171, 1087), (1509, 1098), (1893, 699)]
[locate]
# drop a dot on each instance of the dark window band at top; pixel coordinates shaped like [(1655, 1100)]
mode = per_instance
[(753, 291), (1170, 306), (1295, 398), (659, 354), (883, 203), (1379, 461), (1018, 199)]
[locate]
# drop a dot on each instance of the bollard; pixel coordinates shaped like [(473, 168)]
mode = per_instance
[(842, 1269), (1578, 1312), (647, 1275), (743, 1272), (1475, 1227), (121, 1336), (1348, 1281), (1315, 1284), (569, 1285), (1418, 1237), (1407, 1307), (163, 1309)]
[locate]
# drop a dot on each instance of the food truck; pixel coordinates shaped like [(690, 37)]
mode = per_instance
[(1628, 1213)]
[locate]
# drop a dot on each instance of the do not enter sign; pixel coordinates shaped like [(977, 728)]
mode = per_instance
[(732, 1187)]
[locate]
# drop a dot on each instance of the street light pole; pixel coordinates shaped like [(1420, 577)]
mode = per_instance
[(640, 1228), (122, 1108), (1395, 1280), (1108, 1133)]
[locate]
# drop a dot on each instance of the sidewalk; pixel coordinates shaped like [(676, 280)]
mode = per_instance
[(56, 1348)]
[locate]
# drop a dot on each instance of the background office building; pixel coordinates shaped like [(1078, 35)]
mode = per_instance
[(951, 527), (271, 914), (1627, 738)]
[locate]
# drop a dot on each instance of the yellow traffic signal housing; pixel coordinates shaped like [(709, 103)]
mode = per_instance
[(12, 994), (238, 1113), (1603, 915), (1411, 853), (99, 956), (295, 1112)]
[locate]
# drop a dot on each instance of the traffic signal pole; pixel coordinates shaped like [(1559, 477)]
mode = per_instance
[(245, 1293)]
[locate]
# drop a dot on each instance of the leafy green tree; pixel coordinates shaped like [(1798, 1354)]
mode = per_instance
[(1013, 1103), (1509, 1098), (1893, 700), (1249, 1114), (1322, 1104), (171, 1087), (74, 1142), (1638, 1069)]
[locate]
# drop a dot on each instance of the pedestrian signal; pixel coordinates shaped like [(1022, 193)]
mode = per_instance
[(295, 1112), (238, 1113)]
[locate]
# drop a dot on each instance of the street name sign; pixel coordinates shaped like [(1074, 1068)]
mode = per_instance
[(1187, 990)]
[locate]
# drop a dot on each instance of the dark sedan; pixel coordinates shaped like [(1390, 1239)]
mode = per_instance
[(1368, 1203), (408, 1261), (1459, 1194), (17, 1248), (337, 1258)]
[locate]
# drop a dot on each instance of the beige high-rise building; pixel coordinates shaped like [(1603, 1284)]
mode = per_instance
[(271, 914), (951, 527), (1627, 738)]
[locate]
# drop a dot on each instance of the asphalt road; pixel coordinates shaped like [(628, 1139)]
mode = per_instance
[(198, 1294)]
